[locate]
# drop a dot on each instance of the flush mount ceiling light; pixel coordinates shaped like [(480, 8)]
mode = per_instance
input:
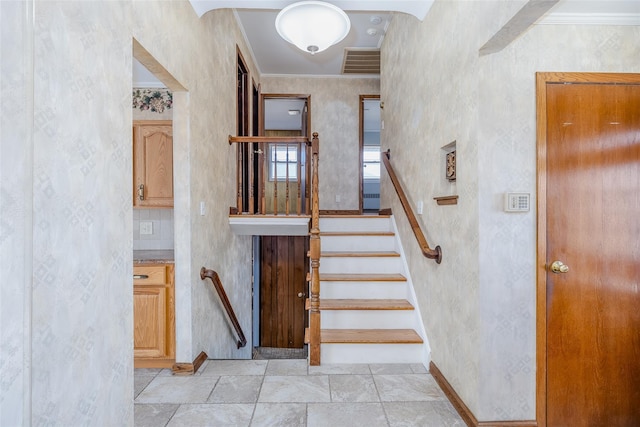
[(312, 26)]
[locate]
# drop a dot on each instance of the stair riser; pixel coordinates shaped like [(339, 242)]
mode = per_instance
[(358, 243), (367, 319), (372, 353), (369, 265), (346, 290), (355, 224)]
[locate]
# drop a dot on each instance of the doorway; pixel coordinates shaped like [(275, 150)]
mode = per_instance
[(281, 262), (369, 153), (283, 272), (588, 254)]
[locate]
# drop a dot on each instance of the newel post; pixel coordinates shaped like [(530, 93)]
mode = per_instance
[(314, 250)]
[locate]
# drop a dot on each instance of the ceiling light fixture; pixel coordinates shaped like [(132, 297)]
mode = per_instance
[(312, 26)]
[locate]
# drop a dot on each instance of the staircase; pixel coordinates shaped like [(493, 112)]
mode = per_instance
[(367, 315)]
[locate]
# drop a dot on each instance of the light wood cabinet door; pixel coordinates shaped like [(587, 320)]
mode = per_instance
[(153, 315), (153, 164), (149, 312)]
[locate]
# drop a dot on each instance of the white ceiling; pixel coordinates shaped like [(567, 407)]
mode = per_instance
[(274, 56)]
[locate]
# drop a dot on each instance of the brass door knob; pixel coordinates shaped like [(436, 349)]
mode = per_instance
[(558, 267), (300, 294)]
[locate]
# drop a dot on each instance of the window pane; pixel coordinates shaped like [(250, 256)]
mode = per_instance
[(371, 154)]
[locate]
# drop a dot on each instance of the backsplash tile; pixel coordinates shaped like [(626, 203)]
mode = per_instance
[(162, 236)]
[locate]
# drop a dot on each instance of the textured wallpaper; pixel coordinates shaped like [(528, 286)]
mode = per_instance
[(203, 61), (16, 167), (479, 304), (334, 115), (66, 225), (81, 303)]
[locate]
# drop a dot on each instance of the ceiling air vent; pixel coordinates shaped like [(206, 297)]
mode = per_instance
[(361, 61)]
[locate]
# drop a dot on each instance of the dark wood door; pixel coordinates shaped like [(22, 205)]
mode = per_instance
[(593, 227), (283, 271)]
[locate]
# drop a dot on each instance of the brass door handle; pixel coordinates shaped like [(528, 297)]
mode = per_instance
[(558, 267)]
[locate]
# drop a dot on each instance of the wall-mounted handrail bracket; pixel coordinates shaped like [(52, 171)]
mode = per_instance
[(436, 253), (215, 279)]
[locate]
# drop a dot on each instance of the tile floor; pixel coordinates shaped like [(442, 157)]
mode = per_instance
[(289, 393)]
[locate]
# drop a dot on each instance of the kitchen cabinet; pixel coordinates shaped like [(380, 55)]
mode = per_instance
[(153, 315), (152, 164)]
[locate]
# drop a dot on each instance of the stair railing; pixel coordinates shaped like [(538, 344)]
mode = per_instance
[(435, 254), (215, 279), (314, 254), (272, 175)]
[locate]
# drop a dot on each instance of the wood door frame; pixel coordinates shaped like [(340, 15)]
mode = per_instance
[(542, 79), (362, 98)]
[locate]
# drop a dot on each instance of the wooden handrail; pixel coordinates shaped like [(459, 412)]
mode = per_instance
[(270, 139), (435, 254), (215, 279), (314, 254)]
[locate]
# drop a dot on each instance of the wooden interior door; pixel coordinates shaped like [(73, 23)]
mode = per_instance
[(283, 271), (593, 228)]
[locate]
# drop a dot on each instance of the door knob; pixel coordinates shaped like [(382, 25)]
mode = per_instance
[(558, 267), (300, 294)]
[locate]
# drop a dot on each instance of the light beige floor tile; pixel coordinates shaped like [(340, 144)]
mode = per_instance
[(280, 415), (410, 388), (166, 372), (237, 389), (418, 368), (340, 369), (295, 389), (139, 383), (177, 390), (153, 414), (287, 367), (345, 414), (422, 414), (147, 371), (234, 367), (390, 368), (353, 388), (212, 415)]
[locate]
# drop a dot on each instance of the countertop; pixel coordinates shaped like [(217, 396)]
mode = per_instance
[(153, 256)]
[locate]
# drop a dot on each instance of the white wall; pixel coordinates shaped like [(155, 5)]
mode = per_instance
[(16, 190), (479, 304), (66, 222), (334, 115)]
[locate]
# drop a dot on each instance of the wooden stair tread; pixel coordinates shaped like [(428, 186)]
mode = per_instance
[(369, 336), (362, 278), (357, 233), (359, 254), (365, 304)]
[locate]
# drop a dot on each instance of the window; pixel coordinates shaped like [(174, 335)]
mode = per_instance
[(371, 162), (283, 157)]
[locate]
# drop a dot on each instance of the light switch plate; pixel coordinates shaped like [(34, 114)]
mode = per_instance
[(146, 227)]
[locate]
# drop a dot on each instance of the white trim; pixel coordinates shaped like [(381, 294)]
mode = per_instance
[(149, 85), (591, 19), (414, 299), (270, 225)]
